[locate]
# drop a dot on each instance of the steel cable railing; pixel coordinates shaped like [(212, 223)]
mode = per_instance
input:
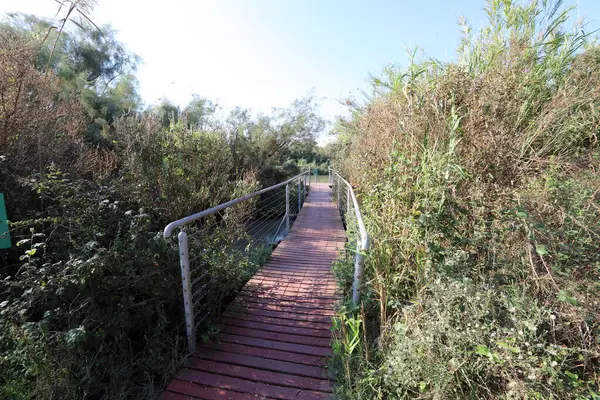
[(227, 234), (348, 207)]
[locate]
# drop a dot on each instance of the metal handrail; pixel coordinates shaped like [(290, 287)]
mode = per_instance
[(363, 242), (191, 218), (184, 258)]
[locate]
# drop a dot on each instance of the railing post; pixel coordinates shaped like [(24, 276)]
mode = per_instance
[(304, 180), (304, 189), (287, 208), (339, 203), (299, 196), (347, 199), (359, 266), (184, 261)]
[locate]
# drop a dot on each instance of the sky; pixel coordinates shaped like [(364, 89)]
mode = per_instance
[(261, 54)]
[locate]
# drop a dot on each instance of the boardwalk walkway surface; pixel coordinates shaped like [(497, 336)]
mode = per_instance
[(274, 338)]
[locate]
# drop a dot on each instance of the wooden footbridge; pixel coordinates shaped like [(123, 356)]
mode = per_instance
[(274, 338)]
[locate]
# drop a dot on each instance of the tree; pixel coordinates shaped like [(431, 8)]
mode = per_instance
[(267, 143), (166, 112), (199, 111), (92, 66)]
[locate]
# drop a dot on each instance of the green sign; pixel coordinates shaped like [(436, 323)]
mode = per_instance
[(4, 235), (315, 171)]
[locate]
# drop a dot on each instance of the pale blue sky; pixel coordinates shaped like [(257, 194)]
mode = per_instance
[(261, 54)]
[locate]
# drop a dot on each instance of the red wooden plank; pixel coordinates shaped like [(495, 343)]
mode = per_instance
[(260, 375), (279, 314), (282, 312), (262, 363), (282, 274), (294, 262), (314, 304), (285, 297), (300, 258), (321, 281), (308, 395), (296, 283), (275, 328), (272, 271), (284, 266), (291, 266), (323, 290), (278, 337), (238, 385), (309, 282), (271, 354), (277, 321), (178, 390), (175, 396), (271, 344)]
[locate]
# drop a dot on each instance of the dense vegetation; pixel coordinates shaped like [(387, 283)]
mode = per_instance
[(90, 292), (480, 183)]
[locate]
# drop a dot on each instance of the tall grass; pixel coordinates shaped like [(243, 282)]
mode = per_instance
[(479, 182)]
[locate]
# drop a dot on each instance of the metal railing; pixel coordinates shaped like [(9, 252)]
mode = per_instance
[(258, 219), (350, 212)]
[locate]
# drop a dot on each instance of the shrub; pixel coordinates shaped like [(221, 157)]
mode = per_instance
[(463, 340), (88, 312), (94, 310), (478, 179), (177, 171)]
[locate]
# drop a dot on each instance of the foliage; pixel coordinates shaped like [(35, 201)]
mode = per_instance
[(199, 111), (86, 313), (271, 144), (47, 129), (90, 65), (319, 162), (478, 182), (94, 310), (176, 171), (90, 295), (462, 340)]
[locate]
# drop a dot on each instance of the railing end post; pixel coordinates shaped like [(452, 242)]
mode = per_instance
[(188, 301)]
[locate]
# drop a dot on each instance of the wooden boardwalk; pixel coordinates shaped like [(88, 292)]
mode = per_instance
[(274, 338)]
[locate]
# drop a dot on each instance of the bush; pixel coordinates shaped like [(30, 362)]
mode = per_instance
[(463, 340), (478, 179), (177, 171), (94, 310), (88, 312)]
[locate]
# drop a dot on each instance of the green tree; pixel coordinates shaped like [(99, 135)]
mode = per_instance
[(92, 66), (199, 112), (166, 112)]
